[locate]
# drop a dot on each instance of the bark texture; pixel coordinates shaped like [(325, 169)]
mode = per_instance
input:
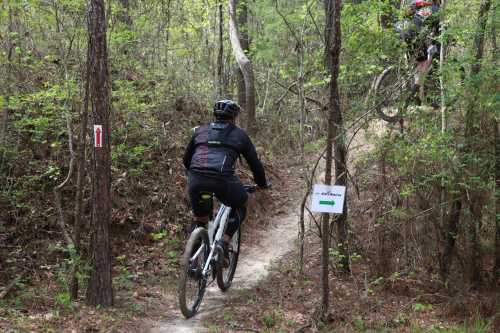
[(246, 68), (497, 204), (242, 19), (80, 185), (332, 59), (334, 41), (220, 56), (472, 133), (100, 291)]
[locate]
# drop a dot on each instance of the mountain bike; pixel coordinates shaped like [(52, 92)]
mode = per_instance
[(204, 261)]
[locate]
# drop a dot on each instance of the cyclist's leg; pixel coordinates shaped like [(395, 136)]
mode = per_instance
[(200, 199), (234, 195), (236, 218)]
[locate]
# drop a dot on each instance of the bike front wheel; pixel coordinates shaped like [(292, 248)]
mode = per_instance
[(225, 271), (391, 94), (192, 283)]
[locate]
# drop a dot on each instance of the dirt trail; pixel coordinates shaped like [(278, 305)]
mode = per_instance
[(253, 265)]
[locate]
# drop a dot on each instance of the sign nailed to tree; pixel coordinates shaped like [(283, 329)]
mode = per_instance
[(328, 199), (98, 136)]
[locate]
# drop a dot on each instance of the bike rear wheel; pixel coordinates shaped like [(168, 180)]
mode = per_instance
[(192, 284), (391, 94), (225, 274)]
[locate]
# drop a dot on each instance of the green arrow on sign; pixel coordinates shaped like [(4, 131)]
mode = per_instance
[(327, 202)]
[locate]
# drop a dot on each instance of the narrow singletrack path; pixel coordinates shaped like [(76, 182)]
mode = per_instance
[(253, 266)]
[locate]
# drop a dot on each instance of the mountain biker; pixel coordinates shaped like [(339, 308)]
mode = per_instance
[(419, 36), (210, 159)]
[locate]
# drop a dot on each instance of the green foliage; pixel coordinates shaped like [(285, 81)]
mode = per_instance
[(273, 318), (124, 279), (64, 300), (159, 235), (419, 307)]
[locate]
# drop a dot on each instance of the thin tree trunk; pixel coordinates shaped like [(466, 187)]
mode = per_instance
[(443, 111), (100, 291), (471, 134), (58, 188), (242, 19), (302, 104), (328, 33), (80, 178), (340, 153), (450, 237), (384, 259), (332, 58), (220, 56), (246, 68), (496, 270), (497, 203), (8, 81), (325, 238)]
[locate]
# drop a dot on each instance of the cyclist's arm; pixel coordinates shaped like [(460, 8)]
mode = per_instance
[(188, 154), (255, 164)]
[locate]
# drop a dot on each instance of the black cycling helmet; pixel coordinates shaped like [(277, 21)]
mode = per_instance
[(226, 109)]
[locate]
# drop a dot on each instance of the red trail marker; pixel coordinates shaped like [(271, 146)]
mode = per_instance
[(98, 136)]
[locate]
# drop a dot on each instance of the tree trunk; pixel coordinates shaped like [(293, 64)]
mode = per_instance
[(332, 58), (80, 178), (5, 106), (328, 33), (497, 203), (340, 153), (450, 237), (242, 17), (472, 122), (496, 270), (5, 120), (246, 68), (100, 291), (220, 56)]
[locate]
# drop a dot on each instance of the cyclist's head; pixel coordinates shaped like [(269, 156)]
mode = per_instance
[(226, 109)]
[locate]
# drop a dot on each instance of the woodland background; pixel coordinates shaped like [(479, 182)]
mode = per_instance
[(427, 198)]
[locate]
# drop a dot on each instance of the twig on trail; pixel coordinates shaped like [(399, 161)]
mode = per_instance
[(244, 329), (7, 289), (301, 329)]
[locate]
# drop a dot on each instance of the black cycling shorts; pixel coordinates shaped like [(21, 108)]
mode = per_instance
[(228, 190)]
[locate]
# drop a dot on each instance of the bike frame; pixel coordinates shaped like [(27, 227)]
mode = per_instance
[(219, 224)]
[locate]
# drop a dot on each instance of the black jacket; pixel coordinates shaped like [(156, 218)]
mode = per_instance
[(215, 147)]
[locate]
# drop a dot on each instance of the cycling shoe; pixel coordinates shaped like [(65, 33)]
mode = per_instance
[(194, 272), (226, 247)]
